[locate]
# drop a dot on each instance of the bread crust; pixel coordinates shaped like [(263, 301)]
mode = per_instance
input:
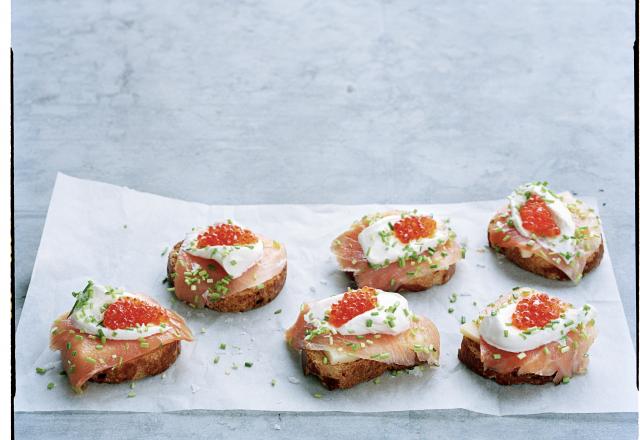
[(540, 266), (243, 300), (344, 375), (469, 354), (150, 364)]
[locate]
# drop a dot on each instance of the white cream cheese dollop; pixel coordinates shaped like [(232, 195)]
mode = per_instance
[(381, 246), (563, 244), (235, 260), (391, 316), (495, 331), (88, 317)]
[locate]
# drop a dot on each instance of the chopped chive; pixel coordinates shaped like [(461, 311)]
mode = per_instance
[(566, 380), (131, 394), (41, 371), (325, 361), (369, 322), (277, 312), (522, 355), (222, 346), (450, 310), (248, 364), (546, 351), (273, 382), (318, 396), (497, 356), (51, 385), (216, 359), (506, 333)]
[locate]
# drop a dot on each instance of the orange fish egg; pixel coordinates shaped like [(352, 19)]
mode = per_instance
[(536, 311), (414, 227), (352, 304), (226, 234), (129, 312), (537, 217)]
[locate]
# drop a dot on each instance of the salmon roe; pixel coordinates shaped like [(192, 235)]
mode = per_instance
[(536, 311), (537, 218), (414, 227), (128, 312), (225, 234), (352, 304)]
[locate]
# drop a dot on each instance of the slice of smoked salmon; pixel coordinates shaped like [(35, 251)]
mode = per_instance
[(547, 360), (419, 344), (84, 355), (397, 276), (200, 281), (506, 236)]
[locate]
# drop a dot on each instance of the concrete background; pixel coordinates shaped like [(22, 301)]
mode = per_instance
[(318, 102)]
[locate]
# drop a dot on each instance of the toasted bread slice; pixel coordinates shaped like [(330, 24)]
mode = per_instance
[(152, 363), (540, 266), (243, 300), (469, 354), (344, 375)]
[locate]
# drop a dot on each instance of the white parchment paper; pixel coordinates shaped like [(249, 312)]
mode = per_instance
[(115, 235)]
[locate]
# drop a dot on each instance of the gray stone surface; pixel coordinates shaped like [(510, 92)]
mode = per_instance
[(314, 102)]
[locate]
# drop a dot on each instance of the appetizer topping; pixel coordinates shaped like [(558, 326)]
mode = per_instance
[(544, 217), (525, 319), (360, 312), (558, 228), (111, 313), (234, 248), (225, 234), (387, 331), (414, 227), (352, 304), (538, 218), (536, 310), (405, 238), (128, 312)]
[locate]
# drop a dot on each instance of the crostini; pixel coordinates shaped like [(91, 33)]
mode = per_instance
[(114, 336), (527, 336), (553, 235), (356, 336), (398, 251), (227, 268)]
